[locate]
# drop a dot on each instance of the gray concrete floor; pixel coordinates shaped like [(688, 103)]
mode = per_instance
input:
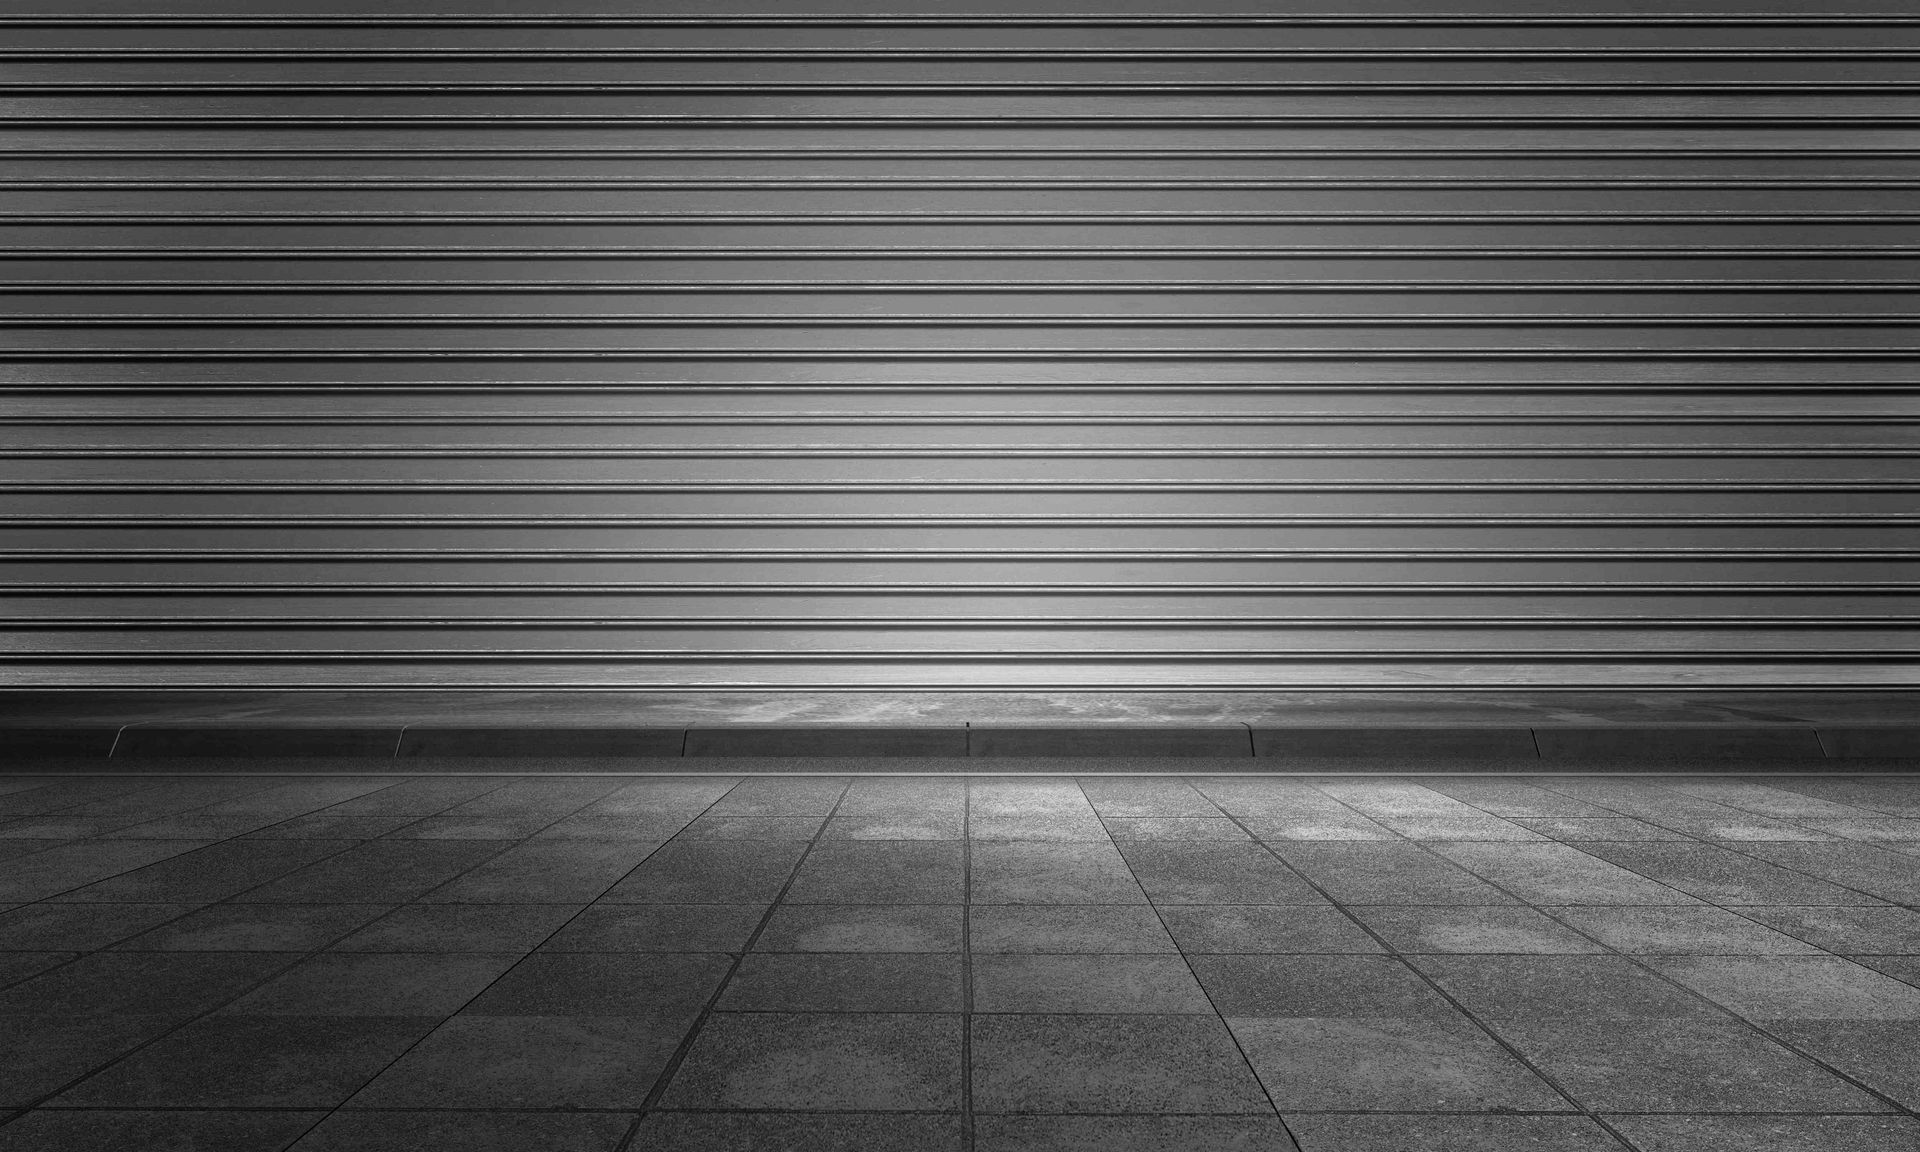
[(592, 963)]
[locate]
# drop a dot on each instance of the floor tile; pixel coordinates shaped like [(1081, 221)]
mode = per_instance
[(1032, 810), (1499, 988), (1863, 868), (460, 928), (1580, 829), (377, 872), (667, 986), (547, 873), (256, 928), (73, 866), (424, 796), (556, 1062), (631, 928), (857, 928), (555, 796), (228, 1061), (1472, 930), (325, 827), (781, 796), (1130, 1134), (45, 1052), (1007, 872), (1681, 931), (897, 825), (1383, 799), (1450, 1133), (82, 927), (1316, 986), (1388, 1063), (214, 872), (375, 984), (1174, 828), (1744, 1133), (1111, 1064), (1707, 1064), (1468, 828), (1064, 983), (499, 827), (1558, 874), (1882, 1054), (828, 1061), (1794, 987), (1215, 874), (797, 1132), (845, 982), (1095, 928), (1721, 876), (1881, 931), (880, 872), (179, 984), (710, 872), (1379, 873), (200, 1131), (1317, 826), (18, 966), (1428, 1133), (491, 1131), (1264, 928), (712, 827), (1123, 797)]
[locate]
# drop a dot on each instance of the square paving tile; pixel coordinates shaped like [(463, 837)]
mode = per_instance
[(1215, 874), (1794, 987), (1264, 928), (1057, 983), (822, 1061), (1026, 873), (375, 984), (798, 1132), (550, 1062), (1704, 1064), (1388, 1063), (1882, 1054), (845, 982), (1387, 873), (489, 1131), (1742, 1133), (710, 872), (1681, 931), (1112, 1064), (231, 1061), (256, 928), (1883, 931), (880, 872), (60, 1130), (1472, 930), (1445, 1133), (1558, 987), (1130, 1134), (863, 928), (460, 928), (629, 928), (670, 986), (1316, 986), (1083, 928)]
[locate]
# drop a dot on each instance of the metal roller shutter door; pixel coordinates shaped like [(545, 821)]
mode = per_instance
[(1095, 344)]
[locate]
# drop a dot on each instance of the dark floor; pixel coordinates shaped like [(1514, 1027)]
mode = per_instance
[(586, 963)]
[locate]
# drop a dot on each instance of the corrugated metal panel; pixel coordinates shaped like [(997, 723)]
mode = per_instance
[(1095, 344)]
